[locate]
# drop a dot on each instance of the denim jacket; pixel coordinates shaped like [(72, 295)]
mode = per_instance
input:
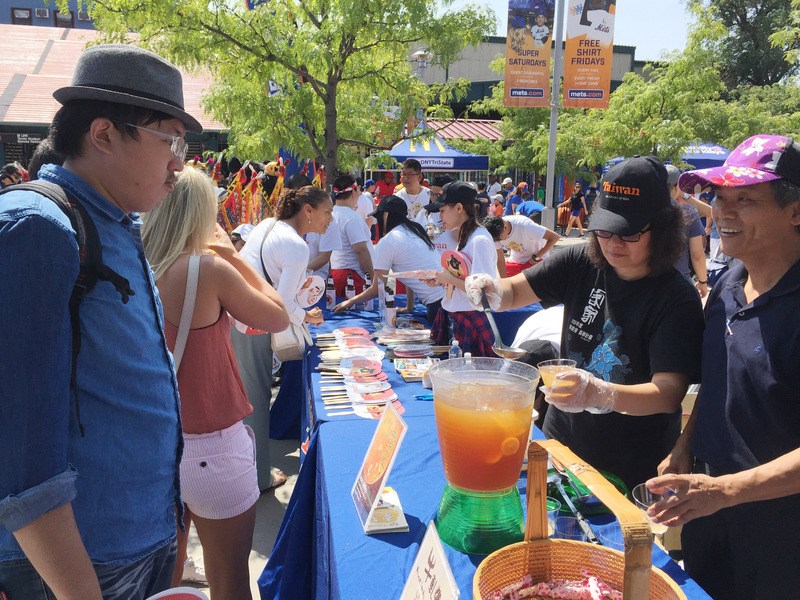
[(122, 476)]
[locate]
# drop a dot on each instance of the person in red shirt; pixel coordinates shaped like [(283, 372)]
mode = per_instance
[(385, 187)]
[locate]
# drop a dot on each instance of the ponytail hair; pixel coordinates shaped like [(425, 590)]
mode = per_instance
[(290, 202), (343, 186), (395, 219), (470, 225)]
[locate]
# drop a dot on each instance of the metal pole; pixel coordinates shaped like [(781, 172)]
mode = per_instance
[(549, 215)]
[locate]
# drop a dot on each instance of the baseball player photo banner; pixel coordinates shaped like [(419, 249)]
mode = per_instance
[(588, 54), (528, 49)]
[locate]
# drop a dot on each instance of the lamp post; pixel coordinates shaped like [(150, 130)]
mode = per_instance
[(421, 57)]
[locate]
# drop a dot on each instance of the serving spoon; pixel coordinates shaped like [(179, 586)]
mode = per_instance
[(499, 347)]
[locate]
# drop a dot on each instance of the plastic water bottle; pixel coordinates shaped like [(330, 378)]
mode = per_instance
[(368, 304), (455, 350), (330, 293)]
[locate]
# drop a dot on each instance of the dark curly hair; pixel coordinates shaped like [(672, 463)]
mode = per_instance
[(667, 241)]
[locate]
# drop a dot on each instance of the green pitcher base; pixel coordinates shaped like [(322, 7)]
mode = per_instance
[(480, 522)]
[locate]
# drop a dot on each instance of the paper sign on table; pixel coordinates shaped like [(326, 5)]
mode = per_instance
[(431, 577), (377, 464), (388, 516)]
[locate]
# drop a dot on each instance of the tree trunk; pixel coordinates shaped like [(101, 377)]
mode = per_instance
[(331, 134)]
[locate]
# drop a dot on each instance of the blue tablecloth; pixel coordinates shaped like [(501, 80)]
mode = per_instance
[(290, 417), (321, 550)]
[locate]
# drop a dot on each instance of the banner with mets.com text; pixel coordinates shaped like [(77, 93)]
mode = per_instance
[(528, 44), (588, 53)]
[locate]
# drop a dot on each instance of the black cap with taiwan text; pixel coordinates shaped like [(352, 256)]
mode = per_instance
[(631, 194)]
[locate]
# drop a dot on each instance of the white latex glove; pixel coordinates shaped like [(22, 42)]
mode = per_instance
[(474, 285), (577, 390)]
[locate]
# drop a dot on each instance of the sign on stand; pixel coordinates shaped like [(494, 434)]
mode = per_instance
[(431, 577)]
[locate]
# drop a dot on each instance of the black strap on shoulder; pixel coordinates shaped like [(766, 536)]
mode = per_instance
[(92, 269)]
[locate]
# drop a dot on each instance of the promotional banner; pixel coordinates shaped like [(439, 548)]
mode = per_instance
[(528, 44), (588, 54)]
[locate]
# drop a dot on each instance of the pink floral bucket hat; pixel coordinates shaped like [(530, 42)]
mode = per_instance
[(758, 159)]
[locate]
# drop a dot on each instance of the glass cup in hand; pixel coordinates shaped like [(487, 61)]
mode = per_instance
[(548, 369), (644, 499)]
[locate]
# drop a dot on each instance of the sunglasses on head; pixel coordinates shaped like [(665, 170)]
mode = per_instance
[(635, 237)]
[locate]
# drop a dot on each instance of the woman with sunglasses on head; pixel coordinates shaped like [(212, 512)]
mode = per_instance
[(458, 319), (631, 322)]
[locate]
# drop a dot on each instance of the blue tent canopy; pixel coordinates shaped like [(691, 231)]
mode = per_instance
[(705, 155), (434, 155)]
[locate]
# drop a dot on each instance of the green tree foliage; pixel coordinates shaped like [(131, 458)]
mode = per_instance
[(788, 37), (679, 101), (333, 65), (746, 55)]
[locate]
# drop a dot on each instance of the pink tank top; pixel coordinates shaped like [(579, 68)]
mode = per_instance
[(212, 393)]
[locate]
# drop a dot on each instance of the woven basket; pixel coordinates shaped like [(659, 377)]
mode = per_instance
[(545, 559)]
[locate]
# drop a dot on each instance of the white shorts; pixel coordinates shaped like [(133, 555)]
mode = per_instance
[(218, 472)]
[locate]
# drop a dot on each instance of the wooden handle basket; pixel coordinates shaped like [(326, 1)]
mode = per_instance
[(545, 559)]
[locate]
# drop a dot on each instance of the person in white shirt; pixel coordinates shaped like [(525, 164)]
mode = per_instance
[(284, 255), (458, 319), (365, 205), (413, 193), (540, 31), (431, 220), (527, 241), (354, 258), (493, 188), (404, 246)]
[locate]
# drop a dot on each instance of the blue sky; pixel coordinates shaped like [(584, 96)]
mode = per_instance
[(653, 26)]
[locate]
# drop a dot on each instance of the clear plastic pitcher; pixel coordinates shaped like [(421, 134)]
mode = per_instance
[(484, 409)]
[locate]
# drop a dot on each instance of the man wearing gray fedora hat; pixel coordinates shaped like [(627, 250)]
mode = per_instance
[(92, 436)]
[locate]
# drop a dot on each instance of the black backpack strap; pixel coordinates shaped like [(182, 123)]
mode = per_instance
[(92, 269)]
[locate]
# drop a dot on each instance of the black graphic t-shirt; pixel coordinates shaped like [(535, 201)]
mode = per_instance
[(622, 332)]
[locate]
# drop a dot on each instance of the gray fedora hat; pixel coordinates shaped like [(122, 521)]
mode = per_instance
[(128, 75)]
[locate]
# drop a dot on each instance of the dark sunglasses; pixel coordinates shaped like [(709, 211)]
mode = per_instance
[(606, 235)]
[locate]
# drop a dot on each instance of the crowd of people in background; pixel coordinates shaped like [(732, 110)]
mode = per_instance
[(148, 408)]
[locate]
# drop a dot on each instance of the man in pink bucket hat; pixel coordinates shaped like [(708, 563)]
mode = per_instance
[(733, 477)]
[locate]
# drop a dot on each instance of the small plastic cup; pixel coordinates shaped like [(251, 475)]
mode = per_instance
[(553, 508), (610, 535), (548, 369), (404, 322), (644, 499), (569, 528)]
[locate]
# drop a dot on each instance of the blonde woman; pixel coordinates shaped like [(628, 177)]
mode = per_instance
[(218, 469)]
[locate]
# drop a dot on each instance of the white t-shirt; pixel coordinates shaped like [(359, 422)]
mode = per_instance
[(539, 33), (327, 242), (353, 230), (365, 206), (415, 202), (525, 240), (424, 217), (493, 188), (543, 325), (285, 256), (481, 251), (401, 250)]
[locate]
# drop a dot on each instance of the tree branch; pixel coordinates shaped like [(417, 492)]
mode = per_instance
[(362, 144)]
